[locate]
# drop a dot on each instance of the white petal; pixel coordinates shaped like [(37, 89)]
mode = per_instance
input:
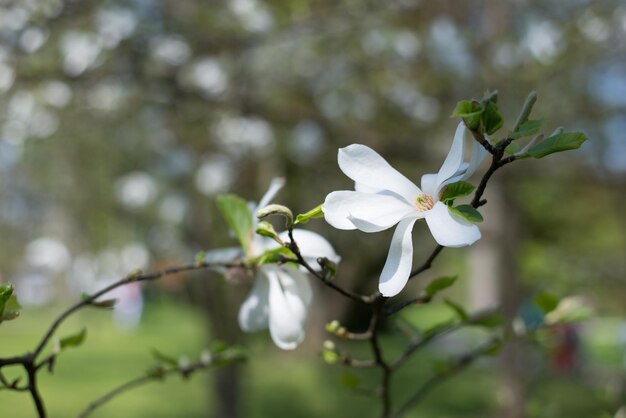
[(275, 186), (302, 285), (377, 210), (429, 184), (450, 230), (399, 261), (312, 246), (478, 155), (222, 255), (254, 312), (454, 160), (288, 307), (360, 187), (363, 165)]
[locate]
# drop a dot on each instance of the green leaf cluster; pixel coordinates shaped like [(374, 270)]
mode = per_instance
[(482, 116)]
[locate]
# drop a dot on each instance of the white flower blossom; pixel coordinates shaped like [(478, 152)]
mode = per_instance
[(281, 295), (383, 198)]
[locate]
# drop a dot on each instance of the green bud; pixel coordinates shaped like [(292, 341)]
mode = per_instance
[(266, 229), (333, 326), (275, 209), (329, 267)]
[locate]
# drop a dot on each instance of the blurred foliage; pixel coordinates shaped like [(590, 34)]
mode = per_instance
[(121, 120)]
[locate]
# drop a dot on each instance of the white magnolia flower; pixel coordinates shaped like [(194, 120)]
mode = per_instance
[(383, 198), (281, 295)]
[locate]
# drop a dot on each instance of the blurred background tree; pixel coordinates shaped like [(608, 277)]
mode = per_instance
[(120, 121)]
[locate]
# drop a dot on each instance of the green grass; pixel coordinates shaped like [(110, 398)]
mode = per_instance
[(276, 384)]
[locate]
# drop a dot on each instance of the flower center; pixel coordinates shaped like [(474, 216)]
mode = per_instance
[(424, 202)]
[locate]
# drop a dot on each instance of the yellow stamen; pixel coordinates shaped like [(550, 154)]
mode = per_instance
[(424, 202)]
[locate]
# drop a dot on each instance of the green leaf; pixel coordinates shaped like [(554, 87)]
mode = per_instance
[(274, 256), (528, 128), (163, 358), (6, 291), (569, 309), (458, 309), (439, 284), (491, 118), (513, 148), (350, 380), (266, 229), (237, 214), (454, 190), (73, 340), (9, 308), (558, 143), (547, 302), (467, 212), (106, 303), (466, 109), (314, 213), (492, 320), (493, 349), (470, 111)]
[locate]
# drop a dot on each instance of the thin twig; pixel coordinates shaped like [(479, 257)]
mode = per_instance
[(133, 277), (460, 364), (184, 371), (385, 387), (293, 246), (29, 360)]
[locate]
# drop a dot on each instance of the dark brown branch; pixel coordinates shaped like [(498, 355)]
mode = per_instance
[(398, 307), (293, 246), (428, 263), (34, 390), (385, 386)]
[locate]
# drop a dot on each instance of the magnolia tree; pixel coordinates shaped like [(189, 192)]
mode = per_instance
[(280, 265)]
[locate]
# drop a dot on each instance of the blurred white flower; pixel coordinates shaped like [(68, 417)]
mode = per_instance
[(242, 135), (254, 16), (170, 49), (115, 25), (80, 51), (32, 39), (208, 76), (544, 41), (215, 175), (48, 253), (136, 190), (56, 93), (281, 295)]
